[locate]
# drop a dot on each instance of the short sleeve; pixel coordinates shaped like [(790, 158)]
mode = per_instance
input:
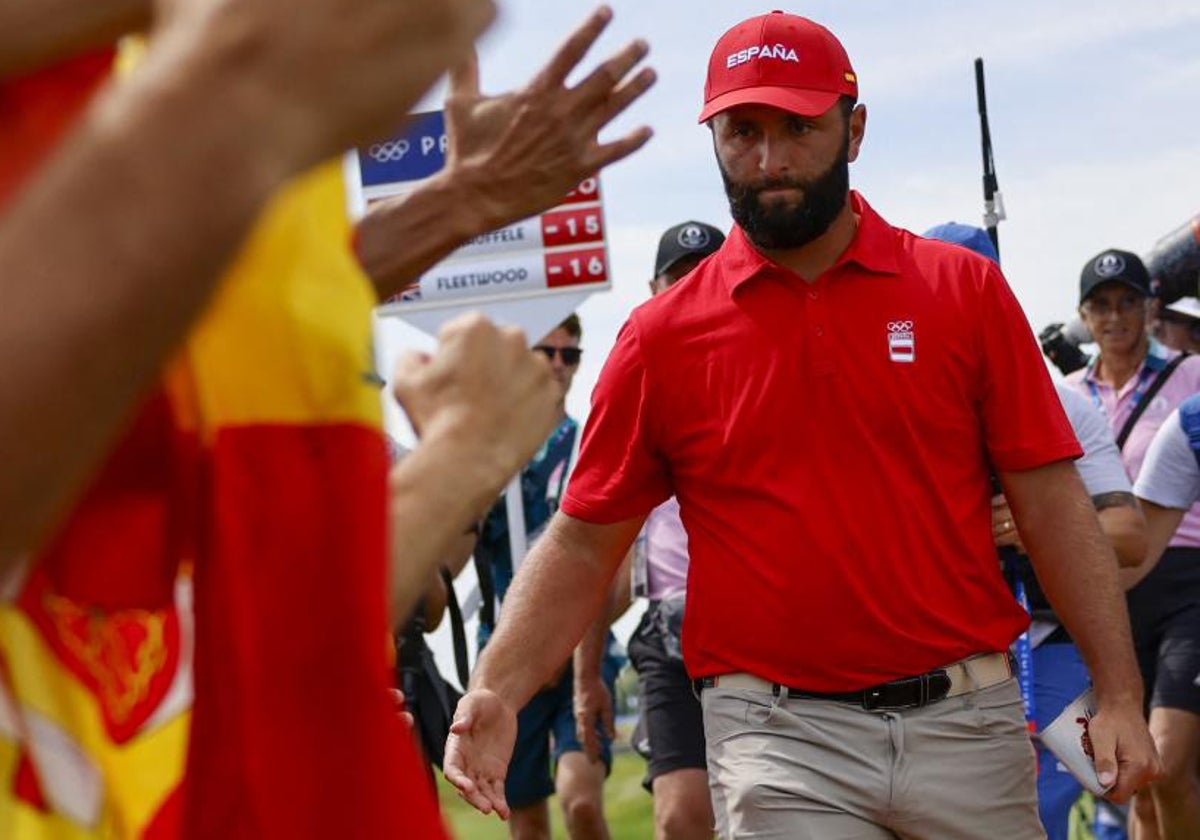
[(1100, 467), (1023, 420), (1170, 476), (620, 472)]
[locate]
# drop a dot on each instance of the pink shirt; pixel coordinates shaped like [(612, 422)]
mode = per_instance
[(1119, 404), (666, 552)]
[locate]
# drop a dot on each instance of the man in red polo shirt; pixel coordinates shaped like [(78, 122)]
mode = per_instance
[(826, 396)]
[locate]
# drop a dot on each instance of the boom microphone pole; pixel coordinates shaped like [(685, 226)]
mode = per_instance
[(993, 202)]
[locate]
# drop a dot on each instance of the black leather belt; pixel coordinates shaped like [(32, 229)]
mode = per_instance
[(907, 693)]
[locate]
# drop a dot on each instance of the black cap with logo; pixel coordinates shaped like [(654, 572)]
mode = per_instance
[(1114, 266), (690, 239)]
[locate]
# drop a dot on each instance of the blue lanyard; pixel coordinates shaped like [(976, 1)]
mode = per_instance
[(1022, 646), (1023, 651), (1145, 377)]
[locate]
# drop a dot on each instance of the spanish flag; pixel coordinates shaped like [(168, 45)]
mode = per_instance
[(200, 651)]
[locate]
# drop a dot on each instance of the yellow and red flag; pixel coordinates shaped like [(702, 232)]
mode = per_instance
[(200, 650)]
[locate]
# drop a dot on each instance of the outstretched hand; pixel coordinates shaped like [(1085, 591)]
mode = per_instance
[(479, 749), (508, 157), (527, 148)]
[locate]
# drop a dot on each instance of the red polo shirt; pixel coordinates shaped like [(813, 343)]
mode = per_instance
[(829, 444)]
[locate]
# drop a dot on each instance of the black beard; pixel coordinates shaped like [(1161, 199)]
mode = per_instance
[(781, 225)]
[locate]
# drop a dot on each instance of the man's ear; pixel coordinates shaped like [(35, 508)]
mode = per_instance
[(857, 128)]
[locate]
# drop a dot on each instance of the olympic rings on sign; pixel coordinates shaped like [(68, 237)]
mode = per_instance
[(388, 152)]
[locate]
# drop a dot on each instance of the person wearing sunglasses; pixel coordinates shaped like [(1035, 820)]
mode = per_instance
[(548, 757), (561, 349)]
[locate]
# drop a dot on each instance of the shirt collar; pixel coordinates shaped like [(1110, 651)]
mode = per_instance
[(873, 249), (1156, 359), (1159, 355)]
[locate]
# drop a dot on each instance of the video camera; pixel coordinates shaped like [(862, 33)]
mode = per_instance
[(1060, 342), (1174, 262)]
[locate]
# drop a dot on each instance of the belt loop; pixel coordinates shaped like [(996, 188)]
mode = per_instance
[(970, 672), (923, 694), (775, 689)]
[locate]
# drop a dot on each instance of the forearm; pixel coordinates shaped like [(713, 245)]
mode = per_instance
[(1125, 528), (35, 32), (590, 650), (562, 584), (1078, 572), (400, 238), (1161, 524), (108, 254), (461, 551), (442, 482), (621, 593), (437, 596)]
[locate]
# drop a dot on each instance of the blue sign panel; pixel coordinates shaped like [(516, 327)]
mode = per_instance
[(414, 153)]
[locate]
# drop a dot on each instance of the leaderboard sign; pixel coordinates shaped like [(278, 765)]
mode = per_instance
[(563, 249)]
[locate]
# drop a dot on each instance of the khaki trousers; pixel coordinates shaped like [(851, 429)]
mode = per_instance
[(962, 768)]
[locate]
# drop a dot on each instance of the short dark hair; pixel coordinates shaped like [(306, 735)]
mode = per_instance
[(572, 326)]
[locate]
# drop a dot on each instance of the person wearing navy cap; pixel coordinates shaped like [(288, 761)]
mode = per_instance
[(825, 396), (1056, 673), (680, 249), (1138, 382)]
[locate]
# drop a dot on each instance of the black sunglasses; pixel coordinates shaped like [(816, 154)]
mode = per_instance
[(569, 355)]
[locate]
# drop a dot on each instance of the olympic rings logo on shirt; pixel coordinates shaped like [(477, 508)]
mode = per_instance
[(899, 326), (388, 152)]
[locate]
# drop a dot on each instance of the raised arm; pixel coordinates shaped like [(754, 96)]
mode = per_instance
[(562, 585), (110, 252), (509, 156), (481, 406), (1078, 572)]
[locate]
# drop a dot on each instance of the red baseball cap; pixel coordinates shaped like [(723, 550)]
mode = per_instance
[(782, 60)]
